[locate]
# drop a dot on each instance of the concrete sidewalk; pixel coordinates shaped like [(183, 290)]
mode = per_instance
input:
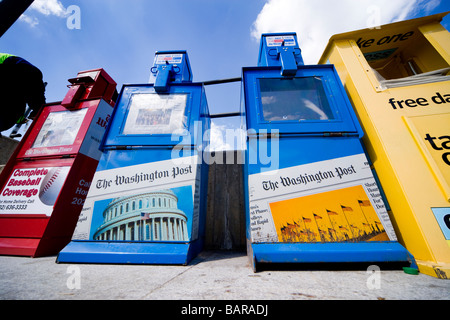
[(215, 275)]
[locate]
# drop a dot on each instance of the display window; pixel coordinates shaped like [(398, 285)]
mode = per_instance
[(294, 99), (151, 113)]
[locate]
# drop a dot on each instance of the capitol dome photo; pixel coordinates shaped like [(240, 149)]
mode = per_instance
[(150, 216)]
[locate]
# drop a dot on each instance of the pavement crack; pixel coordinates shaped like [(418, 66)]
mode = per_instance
[(187, 268)]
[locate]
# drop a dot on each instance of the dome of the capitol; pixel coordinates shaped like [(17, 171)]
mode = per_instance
[(150, 216)]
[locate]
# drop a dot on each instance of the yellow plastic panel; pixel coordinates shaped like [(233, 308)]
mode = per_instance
[(432, 135)]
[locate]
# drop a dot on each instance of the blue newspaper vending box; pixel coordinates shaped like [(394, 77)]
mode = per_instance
[(147, 200), (311, 195)]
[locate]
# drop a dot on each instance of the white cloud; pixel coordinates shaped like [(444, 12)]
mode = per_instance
[(45, 7), (217, 140), (32, 21), (49, 7), (316, 21)]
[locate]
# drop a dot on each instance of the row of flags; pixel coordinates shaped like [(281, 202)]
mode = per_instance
[(294, 229)]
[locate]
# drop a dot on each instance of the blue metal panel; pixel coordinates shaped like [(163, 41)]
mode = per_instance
[(148, 199), (187, 133), (390, 251), (175, 61), (122, 158), (300, 125), (289, 151), (162, 81), (280, 49), (339, 120), (128, 252)]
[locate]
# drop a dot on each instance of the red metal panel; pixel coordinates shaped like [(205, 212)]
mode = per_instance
[(31, 148), (43, 186), (27, 227), (18, 246)]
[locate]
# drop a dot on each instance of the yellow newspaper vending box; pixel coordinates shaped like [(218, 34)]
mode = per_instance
[(398, 80)]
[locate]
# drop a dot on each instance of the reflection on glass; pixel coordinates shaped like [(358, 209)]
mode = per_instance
[(60, 128), (91, 74), (152, 113), (294, 99)]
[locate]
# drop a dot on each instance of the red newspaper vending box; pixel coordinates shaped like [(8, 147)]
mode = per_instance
[(45, 182)]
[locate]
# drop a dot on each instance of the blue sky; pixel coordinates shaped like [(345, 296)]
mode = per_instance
[(220, 36)]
